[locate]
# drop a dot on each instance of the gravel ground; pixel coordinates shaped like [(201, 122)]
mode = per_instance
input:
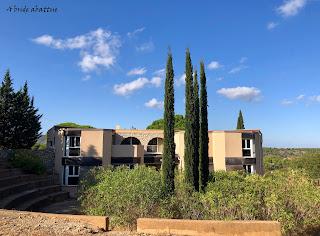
[(16, 223)]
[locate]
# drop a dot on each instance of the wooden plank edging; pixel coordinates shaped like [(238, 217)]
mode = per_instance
[(208, 227)]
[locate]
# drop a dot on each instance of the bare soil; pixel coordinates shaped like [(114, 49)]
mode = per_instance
[(16, 223)]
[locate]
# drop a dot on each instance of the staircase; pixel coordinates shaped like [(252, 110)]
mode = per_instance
[(27, 192)]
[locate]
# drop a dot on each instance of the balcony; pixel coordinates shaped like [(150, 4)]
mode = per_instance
[(135, 151)]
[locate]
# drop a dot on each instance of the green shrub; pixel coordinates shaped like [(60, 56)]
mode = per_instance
[(122, 194), (288, 196), (27, 161)]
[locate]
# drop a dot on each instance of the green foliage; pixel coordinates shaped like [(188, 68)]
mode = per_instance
[(74, 125), (240, 122), (122, 194), (39, 146), (168, 158), (189, 136), (27, 161), (310, 164), (19, 119), (196, 131), (288, 196), (291, 152), (179, 123), (203, 134)]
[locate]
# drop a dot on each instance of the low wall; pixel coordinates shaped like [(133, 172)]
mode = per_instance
[(208, 227), (46, 156)]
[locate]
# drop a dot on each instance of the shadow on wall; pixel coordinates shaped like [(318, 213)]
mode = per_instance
[(91, 152)]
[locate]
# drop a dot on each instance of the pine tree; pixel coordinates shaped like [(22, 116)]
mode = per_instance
[(189, 119), (196, 131), (7, 110), (240, 123), (203, 139), (168, 160)]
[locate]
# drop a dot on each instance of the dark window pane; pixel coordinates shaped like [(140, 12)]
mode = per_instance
[(70, 170), (153, 141), (78, 141), (248, 143), (74, 152), (243, 143), (246, 153), (73, 180), (76, 170), (71, 142)]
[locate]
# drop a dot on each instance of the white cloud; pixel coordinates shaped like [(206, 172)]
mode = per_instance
[(181, 80), (160, 73), (137, 71), (272, 25), (237, 69), (156, 81), (243, 59), (315, 98), (125, 89), (214, 65), (291, 7), (241, 93), (219, 78), (154, 103), (128, 88), (135, 32), (145, 47), (86, 78), (286, 102), (98, 48), (300, 97)]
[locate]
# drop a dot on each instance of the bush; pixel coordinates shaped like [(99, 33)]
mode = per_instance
[(122, 194), (288, 196), (27, 161)]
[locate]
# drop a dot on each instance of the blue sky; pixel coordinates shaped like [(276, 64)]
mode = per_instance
[(100, 62)]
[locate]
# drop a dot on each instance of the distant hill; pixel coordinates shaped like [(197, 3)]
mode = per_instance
[(291, 152)]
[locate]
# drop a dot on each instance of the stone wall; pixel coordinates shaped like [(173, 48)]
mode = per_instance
[(46, 156)]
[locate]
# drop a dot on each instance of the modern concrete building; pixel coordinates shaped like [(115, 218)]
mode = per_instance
[(77, 150)]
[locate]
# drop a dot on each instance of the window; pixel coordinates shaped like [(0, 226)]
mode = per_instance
[(71, 175), (131, 141), (155, 145), (72, 146), (250, 169), (247, 147)]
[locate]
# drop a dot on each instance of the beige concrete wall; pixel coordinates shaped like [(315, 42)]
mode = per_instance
[(208, 227), (127, 151), (233, 143), (179, 141), (107, 147), (217, 146), (91, 143)]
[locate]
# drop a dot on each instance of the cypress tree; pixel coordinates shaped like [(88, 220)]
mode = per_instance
[(19, 120), (196, 131), (7, 110), (203, 139), (189, 123), (240, 123), (168, 160)]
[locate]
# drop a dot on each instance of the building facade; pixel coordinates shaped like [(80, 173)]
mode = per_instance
[(77, 150)]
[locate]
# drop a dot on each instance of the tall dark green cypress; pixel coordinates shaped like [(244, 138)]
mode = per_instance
[(7, 110), (189, 122), (203, 139), (240, 123), (168, 160), (196, 127)]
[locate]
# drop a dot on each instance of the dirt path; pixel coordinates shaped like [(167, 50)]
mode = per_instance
[(14, 223)]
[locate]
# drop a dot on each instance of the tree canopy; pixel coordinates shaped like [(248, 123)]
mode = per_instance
[(179, 123)]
